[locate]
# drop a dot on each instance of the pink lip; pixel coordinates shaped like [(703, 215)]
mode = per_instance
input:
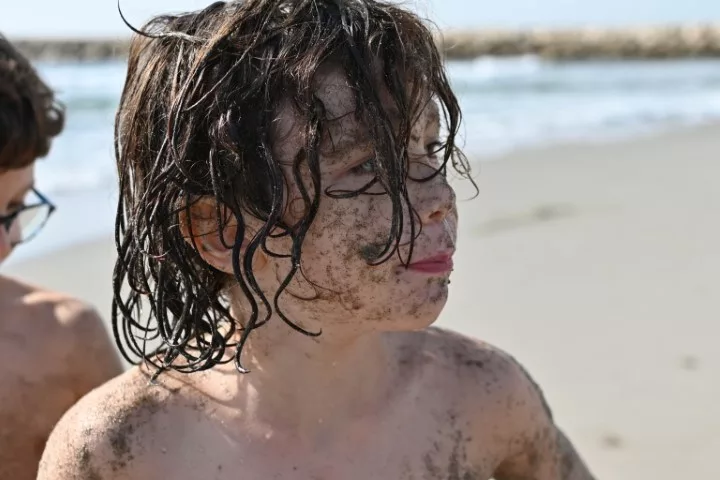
[(437, 264)]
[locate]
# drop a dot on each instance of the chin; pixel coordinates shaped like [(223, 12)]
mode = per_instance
[(422, 323), (421, 314)]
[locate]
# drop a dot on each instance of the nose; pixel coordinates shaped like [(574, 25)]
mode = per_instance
[(5, 243), (433, 199)]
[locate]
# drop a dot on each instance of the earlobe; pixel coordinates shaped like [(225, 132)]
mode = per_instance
[(221, 259)]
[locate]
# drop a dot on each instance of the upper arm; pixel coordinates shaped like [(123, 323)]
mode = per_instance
[(536, 449), (109, 434), (92, 356), (77, 451)]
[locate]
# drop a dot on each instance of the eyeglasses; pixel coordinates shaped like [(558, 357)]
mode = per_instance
[(24, 223)]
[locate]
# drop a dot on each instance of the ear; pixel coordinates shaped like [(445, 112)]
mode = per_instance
[(210, 228)]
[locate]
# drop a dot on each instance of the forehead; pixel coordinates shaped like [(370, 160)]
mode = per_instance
[(336, 94), (338, 97), (339, 101)]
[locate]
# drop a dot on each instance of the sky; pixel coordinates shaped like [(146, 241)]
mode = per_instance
[(83, 18)]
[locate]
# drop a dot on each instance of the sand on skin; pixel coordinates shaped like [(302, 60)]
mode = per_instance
[(598, 267)]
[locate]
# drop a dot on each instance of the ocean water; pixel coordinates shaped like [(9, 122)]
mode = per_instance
[(507, 104)]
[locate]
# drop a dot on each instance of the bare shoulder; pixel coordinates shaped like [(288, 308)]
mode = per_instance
[(475, 364), (101, 436), (496, 396), (476, 378), (491, 375), (65, 329), (49, 310), (483, 379)]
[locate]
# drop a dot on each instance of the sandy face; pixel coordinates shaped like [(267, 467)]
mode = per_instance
[(339, 282)]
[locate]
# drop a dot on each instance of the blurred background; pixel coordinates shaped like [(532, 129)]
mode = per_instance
[(592, 253)]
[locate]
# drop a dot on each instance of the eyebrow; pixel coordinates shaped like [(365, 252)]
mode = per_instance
[(432, 118)]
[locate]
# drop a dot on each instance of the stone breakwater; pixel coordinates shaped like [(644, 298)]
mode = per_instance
[(73, 49), (667, 42)]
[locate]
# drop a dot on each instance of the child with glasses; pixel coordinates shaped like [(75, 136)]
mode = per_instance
[(53, 349), (286, 233)]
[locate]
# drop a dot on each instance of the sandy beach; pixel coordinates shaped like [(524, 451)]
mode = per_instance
[(598, 267)]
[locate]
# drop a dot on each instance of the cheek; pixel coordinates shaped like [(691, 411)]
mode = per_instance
[(341, 283), (451, 223), (351, 227), (344, 236), (15, 233)]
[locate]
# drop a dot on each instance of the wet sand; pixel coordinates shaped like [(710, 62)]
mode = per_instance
[(598, 267)]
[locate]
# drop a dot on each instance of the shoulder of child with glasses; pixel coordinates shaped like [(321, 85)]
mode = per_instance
[(55, 336), (53, 348)]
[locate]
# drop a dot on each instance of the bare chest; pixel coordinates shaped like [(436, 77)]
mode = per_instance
[(415, 445)]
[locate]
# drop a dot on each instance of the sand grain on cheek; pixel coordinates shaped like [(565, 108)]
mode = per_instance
[(328, 262), (363, 241), (332, 230), (346, 238), (370, 252), (371, 233)]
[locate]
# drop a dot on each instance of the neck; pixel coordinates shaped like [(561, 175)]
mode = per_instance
[(310, 385)]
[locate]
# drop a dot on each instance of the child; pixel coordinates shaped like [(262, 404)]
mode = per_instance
[(285, 213), (53, 349)]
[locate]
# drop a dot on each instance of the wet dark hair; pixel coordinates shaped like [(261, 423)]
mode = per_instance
[(29, 114), (195, 119)]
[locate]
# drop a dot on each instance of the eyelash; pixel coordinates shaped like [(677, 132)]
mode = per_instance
[(433, 148), (368, 166), (361, 169)]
